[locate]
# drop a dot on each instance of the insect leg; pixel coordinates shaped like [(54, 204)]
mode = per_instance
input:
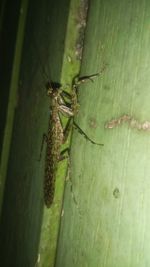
[(84, 134), (68, 129), (43, 140), (63, 155), (72, 97), (79, 80), (66, 111), (70, 112), (66, 95)]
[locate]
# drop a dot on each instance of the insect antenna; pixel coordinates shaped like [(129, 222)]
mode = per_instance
[(47, 78)]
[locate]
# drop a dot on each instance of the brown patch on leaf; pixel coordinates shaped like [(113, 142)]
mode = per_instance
[(93, 123), (132, 122)]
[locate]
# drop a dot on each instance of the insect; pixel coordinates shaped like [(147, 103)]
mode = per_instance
[(61, 102)]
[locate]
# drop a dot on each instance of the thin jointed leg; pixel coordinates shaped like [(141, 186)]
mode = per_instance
[(67, 156), (68, 129), (85, 135), (83, 79), (43, 140)]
